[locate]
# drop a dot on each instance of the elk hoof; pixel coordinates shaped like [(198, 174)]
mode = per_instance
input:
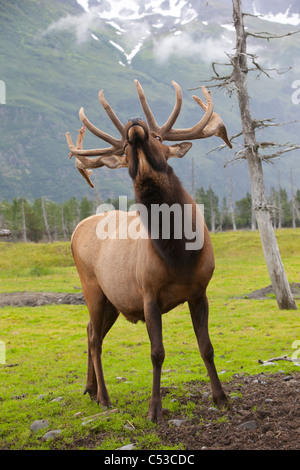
[(92, 394), (104, 401), (155, 414)]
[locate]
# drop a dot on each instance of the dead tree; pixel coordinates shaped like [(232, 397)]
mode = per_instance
[(236, 81), (231, 207), (23, 221), (45, 218)]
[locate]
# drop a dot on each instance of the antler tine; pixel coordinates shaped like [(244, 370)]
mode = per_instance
[(81, 155), (111, 114), (92, 152), (79, 165), (148, 113), (175, 113), (102, 135), (196, 131), (215, 126)]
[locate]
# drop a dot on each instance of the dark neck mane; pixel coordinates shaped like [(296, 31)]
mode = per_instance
[(163, 187)]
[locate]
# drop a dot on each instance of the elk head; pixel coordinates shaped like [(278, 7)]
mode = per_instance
[(123, 152)]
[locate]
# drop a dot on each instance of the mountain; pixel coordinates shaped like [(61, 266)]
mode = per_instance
[(55, 57)]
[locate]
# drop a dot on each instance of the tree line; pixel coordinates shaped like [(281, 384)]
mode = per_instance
[(48, 221), (228, 215)]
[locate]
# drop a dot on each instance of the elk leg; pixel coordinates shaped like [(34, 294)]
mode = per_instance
[(91, 381), (97, 328), (110, 316), (154, 328), (199, 313)]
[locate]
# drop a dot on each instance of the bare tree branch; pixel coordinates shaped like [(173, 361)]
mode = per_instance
[(262, 123), (280, 152), (281, 358), (266, 35)]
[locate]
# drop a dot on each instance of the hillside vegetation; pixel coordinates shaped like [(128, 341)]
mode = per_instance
[(50, 76)]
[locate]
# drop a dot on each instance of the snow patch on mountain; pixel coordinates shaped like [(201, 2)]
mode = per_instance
[(133, 22), (282, 17), (164, 21), (137, 9)]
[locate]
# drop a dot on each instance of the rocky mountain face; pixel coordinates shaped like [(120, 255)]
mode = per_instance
[(55, 57)]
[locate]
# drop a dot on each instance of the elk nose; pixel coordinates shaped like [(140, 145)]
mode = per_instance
[(134, 121)]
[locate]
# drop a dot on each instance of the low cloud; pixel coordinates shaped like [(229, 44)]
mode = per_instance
[(80, 25), (185, 45), (83, 24)]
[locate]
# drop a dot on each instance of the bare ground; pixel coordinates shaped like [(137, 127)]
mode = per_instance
[(33, 299), (264, 415)]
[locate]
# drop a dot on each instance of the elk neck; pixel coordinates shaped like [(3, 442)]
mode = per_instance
[(160, 191)]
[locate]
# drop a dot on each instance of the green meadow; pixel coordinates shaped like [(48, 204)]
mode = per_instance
[(45, 348)]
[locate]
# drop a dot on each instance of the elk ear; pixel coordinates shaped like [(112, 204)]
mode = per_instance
[(114, 161), (179, 150)]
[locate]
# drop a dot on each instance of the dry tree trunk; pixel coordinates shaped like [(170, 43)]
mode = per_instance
[(45, 218), (23, 221), (276, 270), (231, 207)]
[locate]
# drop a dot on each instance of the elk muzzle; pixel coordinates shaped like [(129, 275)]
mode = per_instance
[(136, 131)]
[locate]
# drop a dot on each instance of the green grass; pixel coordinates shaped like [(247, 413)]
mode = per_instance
[(37, 267), (46, 348)]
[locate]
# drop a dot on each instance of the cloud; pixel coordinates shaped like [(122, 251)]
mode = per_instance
[(95, 18), (185, 45), (80, 25)]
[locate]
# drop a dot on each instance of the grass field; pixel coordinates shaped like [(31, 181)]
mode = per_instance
[(46, 347)]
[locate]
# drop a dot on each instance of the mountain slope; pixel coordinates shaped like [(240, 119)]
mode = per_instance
[(57, 55)]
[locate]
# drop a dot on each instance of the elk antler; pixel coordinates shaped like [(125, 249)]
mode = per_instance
[(210, 124), (117, 145), (114, 152), (79, 165)]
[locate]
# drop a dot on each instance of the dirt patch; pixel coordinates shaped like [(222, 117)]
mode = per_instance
[(264, 414), (267, 292), (35, 299)]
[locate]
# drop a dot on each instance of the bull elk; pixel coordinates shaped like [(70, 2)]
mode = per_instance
[(144, 277)]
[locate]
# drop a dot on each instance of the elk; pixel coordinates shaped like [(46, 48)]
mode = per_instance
[(144, 277)]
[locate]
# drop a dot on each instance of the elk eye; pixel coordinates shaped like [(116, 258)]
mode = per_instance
[(158, 137)]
